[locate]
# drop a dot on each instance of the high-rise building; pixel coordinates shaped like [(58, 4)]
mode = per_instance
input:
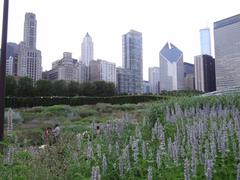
[(65, 68), (87, 50), (204, 70), (102, 70), (12, 51), (29, 58), (189, 81), (125, 79), (227, 52), (68, 69), (154, 79), (205, 40), (30, 30), (82, 72), (171, 68), (146, 87), (9, 66), (132, 60)]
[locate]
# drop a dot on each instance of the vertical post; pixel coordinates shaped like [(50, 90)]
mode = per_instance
[(3, 66)]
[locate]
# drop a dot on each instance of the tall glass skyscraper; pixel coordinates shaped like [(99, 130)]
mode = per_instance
[(227, 52), (205, 40), (132, 59)]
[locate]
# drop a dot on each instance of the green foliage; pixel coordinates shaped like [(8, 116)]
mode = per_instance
[(16, 102), (87, 89), (73, 88), (25, 87), (60, 88), (43, 88), (11, 86)]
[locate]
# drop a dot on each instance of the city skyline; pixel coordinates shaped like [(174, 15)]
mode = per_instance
[(107, 21)]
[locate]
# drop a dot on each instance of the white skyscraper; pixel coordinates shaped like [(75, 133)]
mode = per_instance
[(87, 50), (154, 79), (171, 68), (205, 40), (29, 58), (9, 66)]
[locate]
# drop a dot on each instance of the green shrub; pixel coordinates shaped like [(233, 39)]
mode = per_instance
[(16, 102)]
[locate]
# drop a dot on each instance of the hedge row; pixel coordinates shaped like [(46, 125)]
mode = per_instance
[(17, 102)]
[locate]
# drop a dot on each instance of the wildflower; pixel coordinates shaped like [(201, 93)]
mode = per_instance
[(8, 158), (89, 150), (95, 173), (99, 150), (158, 158), (186, 170), (10, 122), (150, 176), (144, 150), (104, 165)]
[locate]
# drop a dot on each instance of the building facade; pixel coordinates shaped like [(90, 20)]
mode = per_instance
[(64, 69), (146, 87), (189, 79), (205, 41), (227, 52), (82, 70), (171, 68), (87, 50), (204, 70), (132, 60), (29, 58), (125, 79), (154, 79), (101, 70), (9, 66)]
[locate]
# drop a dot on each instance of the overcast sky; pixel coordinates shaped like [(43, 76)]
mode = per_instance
[(62, 24)]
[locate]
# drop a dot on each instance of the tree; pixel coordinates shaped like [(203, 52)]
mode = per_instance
[(87, 89), (11, 86), (100, 88), (60, 88), (73, 88), (43, 88), (25, 87), (110, 89)]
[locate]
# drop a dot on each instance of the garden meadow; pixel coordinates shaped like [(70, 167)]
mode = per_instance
[(176, 138)]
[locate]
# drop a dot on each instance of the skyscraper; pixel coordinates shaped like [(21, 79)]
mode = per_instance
[(205, 40), (87, 50), (171, 68), (65, 68), (29, 58), (189, 83), (30, 30), (102, 70), (154, 79), (204, 69), (227, 52), (132, 60)]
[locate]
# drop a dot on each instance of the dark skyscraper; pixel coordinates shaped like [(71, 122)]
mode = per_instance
[(205, 78)]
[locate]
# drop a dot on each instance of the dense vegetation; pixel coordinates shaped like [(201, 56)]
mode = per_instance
[(17, 102), (180, 138), (25, 87)]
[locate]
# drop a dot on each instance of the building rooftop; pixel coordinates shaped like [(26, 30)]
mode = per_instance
[(171, 52), (227, 21)]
